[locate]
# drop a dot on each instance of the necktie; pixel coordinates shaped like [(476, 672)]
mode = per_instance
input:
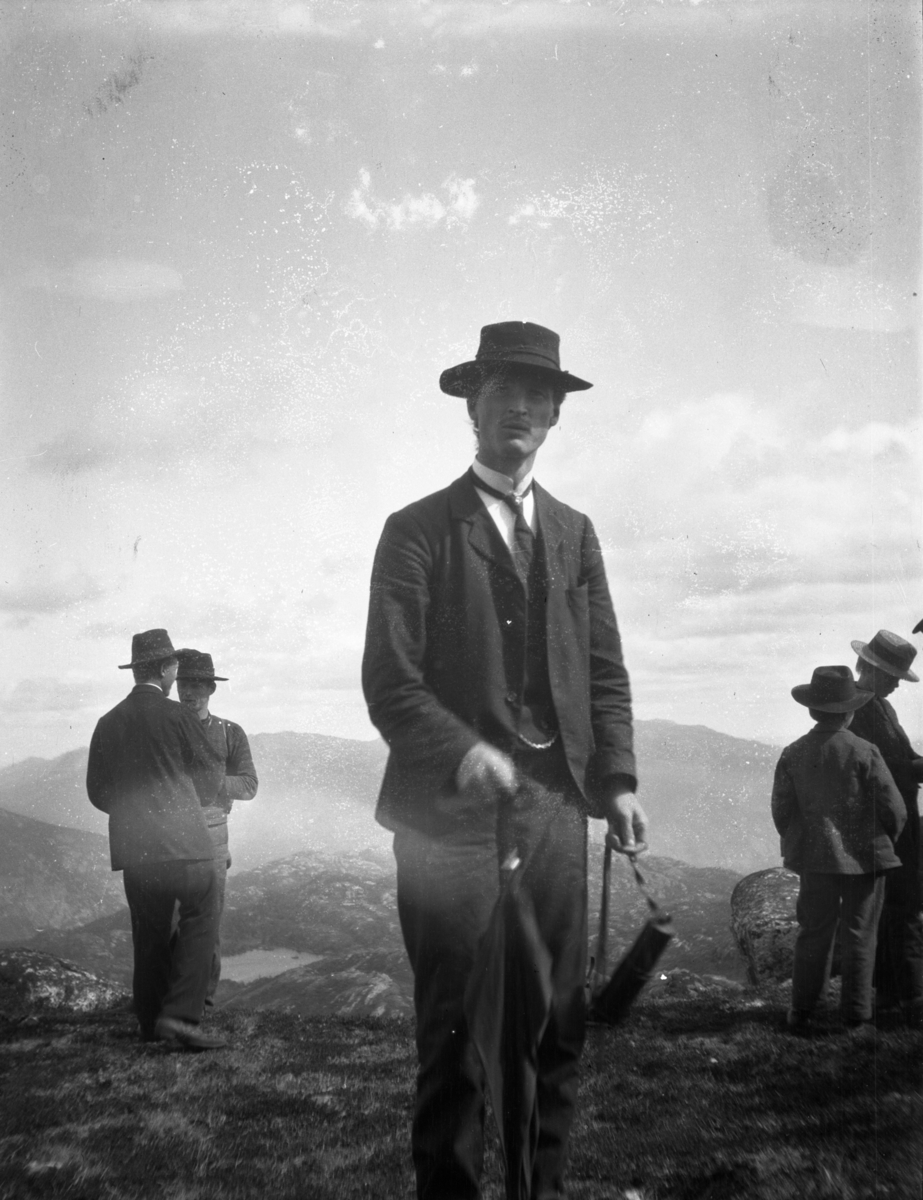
[(523, 539)]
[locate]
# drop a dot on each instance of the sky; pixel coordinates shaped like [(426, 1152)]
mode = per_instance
[(243, 239)]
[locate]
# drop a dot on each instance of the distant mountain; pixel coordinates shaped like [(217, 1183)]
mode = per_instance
[(371, 983), (52, 790), (343, 908), (707, 795), (52, 878)]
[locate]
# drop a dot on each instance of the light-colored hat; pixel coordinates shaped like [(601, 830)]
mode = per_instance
[(889, 653)]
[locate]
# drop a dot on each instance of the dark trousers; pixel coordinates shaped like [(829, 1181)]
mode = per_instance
[(446, 888), (899, 969), (854, 903), (171, 980), (222, 864)]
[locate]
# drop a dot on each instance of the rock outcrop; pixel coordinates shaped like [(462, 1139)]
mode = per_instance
[(764, 924), (31, 982)]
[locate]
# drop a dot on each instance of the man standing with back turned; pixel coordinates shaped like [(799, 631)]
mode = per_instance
[(150, 765), (493, 669)]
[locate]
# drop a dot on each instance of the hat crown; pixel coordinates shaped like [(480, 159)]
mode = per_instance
[(831, 684), (508, 341), (195, 664), (149, 646)]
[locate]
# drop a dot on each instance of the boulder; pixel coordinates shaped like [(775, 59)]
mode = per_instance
[(32, 982), (764, 924)]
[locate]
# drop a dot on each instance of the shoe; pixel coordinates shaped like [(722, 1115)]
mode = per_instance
[(182, 1033), (798, 1021), (861, 1031)]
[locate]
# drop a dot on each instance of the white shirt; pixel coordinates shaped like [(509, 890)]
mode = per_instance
[(503, 516)]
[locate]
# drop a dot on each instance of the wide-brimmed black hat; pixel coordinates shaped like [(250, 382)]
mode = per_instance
[(512, 344), (149, 647), (890, 653), (196, 664), (832, 690)]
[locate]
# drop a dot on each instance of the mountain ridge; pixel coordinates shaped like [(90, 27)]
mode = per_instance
[(707, 795)]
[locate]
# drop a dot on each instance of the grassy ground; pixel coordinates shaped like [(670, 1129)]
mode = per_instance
[(693, 1099)]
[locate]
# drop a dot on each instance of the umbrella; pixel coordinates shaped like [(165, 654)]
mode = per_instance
[(507, 1005), (610, 1000)]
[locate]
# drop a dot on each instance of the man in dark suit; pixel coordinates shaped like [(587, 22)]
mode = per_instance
[(150, 762), (493, 669), (883, 663)]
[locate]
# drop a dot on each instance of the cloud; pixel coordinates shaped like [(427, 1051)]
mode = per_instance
[(47, 694), (425, 209), (361, 19), (199, 18), (874, 439), (117, 279), (726, 497), (34, 598)]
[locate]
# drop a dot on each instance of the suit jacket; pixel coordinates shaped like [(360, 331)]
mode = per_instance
[(148, 756), (836, 806), (877, 722), (444, 631)]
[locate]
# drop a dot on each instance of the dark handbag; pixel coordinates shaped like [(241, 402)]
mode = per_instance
[(610, 999)]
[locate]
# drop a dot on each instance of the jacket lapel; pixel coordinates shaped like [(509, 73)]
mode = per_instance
[(553, 528), (483, 536)]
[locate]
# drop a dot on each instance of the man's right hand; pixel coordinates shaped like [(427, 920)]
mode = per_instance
[(486, 770)]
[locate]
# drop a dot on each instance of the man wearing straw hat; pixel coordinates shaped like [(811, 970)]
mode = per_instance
[(149, 767), (493, 669), (195, 684), (883, 663)]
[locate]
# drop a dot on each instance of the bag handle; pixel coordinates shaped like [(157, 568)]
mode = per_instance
[(599, 965)]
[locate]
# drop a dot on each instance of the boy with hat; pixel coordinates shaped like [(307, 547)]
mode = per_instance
[(195, 684), (150, 764), (883, 663), (839, 813)]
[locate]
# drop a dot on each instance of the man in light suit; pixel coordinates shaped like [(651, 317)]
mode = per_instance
[(150, 767), (493, 669)]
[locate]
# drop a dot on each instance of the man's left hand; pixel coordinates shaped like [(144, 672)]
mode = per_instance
[(627, 822)]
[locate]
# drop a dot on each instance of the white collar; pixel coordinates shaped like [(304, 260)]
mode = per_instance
[(502, 483)]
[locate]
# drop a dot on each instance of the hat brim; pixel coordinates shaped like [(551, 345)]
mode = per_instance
[(194, 676), (464, 379), (802, 693), (869, 656)]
